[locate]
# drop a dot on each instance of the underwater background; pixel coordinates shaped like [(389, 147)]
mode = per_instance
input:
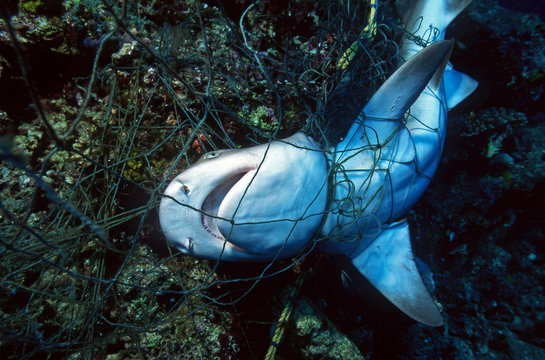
[(102, 103)]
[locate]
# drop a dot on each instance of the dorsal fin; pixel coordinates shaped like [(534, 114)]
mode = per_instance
[(399, 92), (389, 265), (387, 106), (438, 75)]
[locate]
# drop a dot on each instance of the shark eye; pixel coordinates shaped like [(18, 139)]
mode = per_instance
[(211, 155)]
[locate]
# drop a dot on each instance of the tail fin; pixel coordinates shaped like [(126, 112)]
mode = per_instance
[(440, 13), (454, 7)]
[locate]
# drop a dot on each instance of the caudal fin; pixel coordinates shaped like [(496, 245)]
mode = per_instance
[(438, 13)]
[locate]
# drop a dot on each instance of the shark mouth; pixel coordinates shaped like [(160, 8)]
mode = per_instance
[(222, 197)]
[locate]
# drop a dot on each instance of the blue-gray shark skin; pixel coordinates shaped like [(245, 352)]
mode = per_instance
[(252, 204), (270, 201)]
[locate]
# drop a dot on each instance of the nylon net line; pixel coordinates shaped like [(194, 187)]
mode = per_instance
[(85, 268)]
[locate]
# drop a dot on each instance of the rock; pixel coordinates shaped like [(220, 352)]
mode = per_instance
[(522, 350)]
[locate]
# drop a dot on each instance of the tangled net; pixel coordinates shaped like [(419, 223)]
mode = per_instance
[(85, 270)]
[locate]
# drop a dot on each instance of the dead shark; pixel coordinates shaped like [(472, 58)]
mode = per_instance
[(270, 201)]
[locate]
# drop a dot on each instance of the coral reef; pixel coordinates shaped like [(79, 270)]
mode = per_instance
[(513, 73), (316, 337), (131, 96)]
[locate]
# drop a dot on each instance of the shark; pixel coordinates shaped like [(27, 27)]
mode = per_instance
[(273, 200)]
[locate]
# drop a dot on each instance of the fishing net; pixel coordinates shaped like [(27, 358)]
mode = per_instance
[(85, 269)]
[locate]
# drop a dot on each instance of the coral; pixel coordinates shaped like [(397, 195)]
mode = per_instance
[(506, 49), (316, 337), (492, 120), (202, 334), (42, 7), (16, 187), (494, 125), (84, 16), (127, 53), (31, 6), (35, 30), (46, 29), (262, 118)]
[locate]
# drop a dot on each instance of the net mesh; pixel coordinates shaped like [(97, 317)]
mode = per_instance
[(85, 269)]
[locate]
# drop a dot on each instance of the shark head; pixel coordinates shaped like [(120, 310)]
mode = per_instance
[(254, 204)]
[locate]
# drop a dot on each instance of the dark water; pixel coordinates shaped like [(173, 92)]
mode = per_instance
[(526, 6)]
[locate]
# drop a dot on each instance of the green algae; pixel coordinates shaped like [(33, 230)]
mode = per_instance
[(31, 6), (262, 118)]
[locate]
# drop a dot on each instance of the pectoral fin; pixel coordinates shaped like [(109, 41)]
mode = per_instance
[(389, 265)]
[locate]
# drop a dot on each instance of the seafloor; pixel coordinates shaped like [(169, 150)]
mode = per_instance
[(103, 102)]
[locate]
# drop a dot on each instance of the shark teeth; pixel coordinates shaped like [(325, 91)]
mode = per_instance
[(212, 203)]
